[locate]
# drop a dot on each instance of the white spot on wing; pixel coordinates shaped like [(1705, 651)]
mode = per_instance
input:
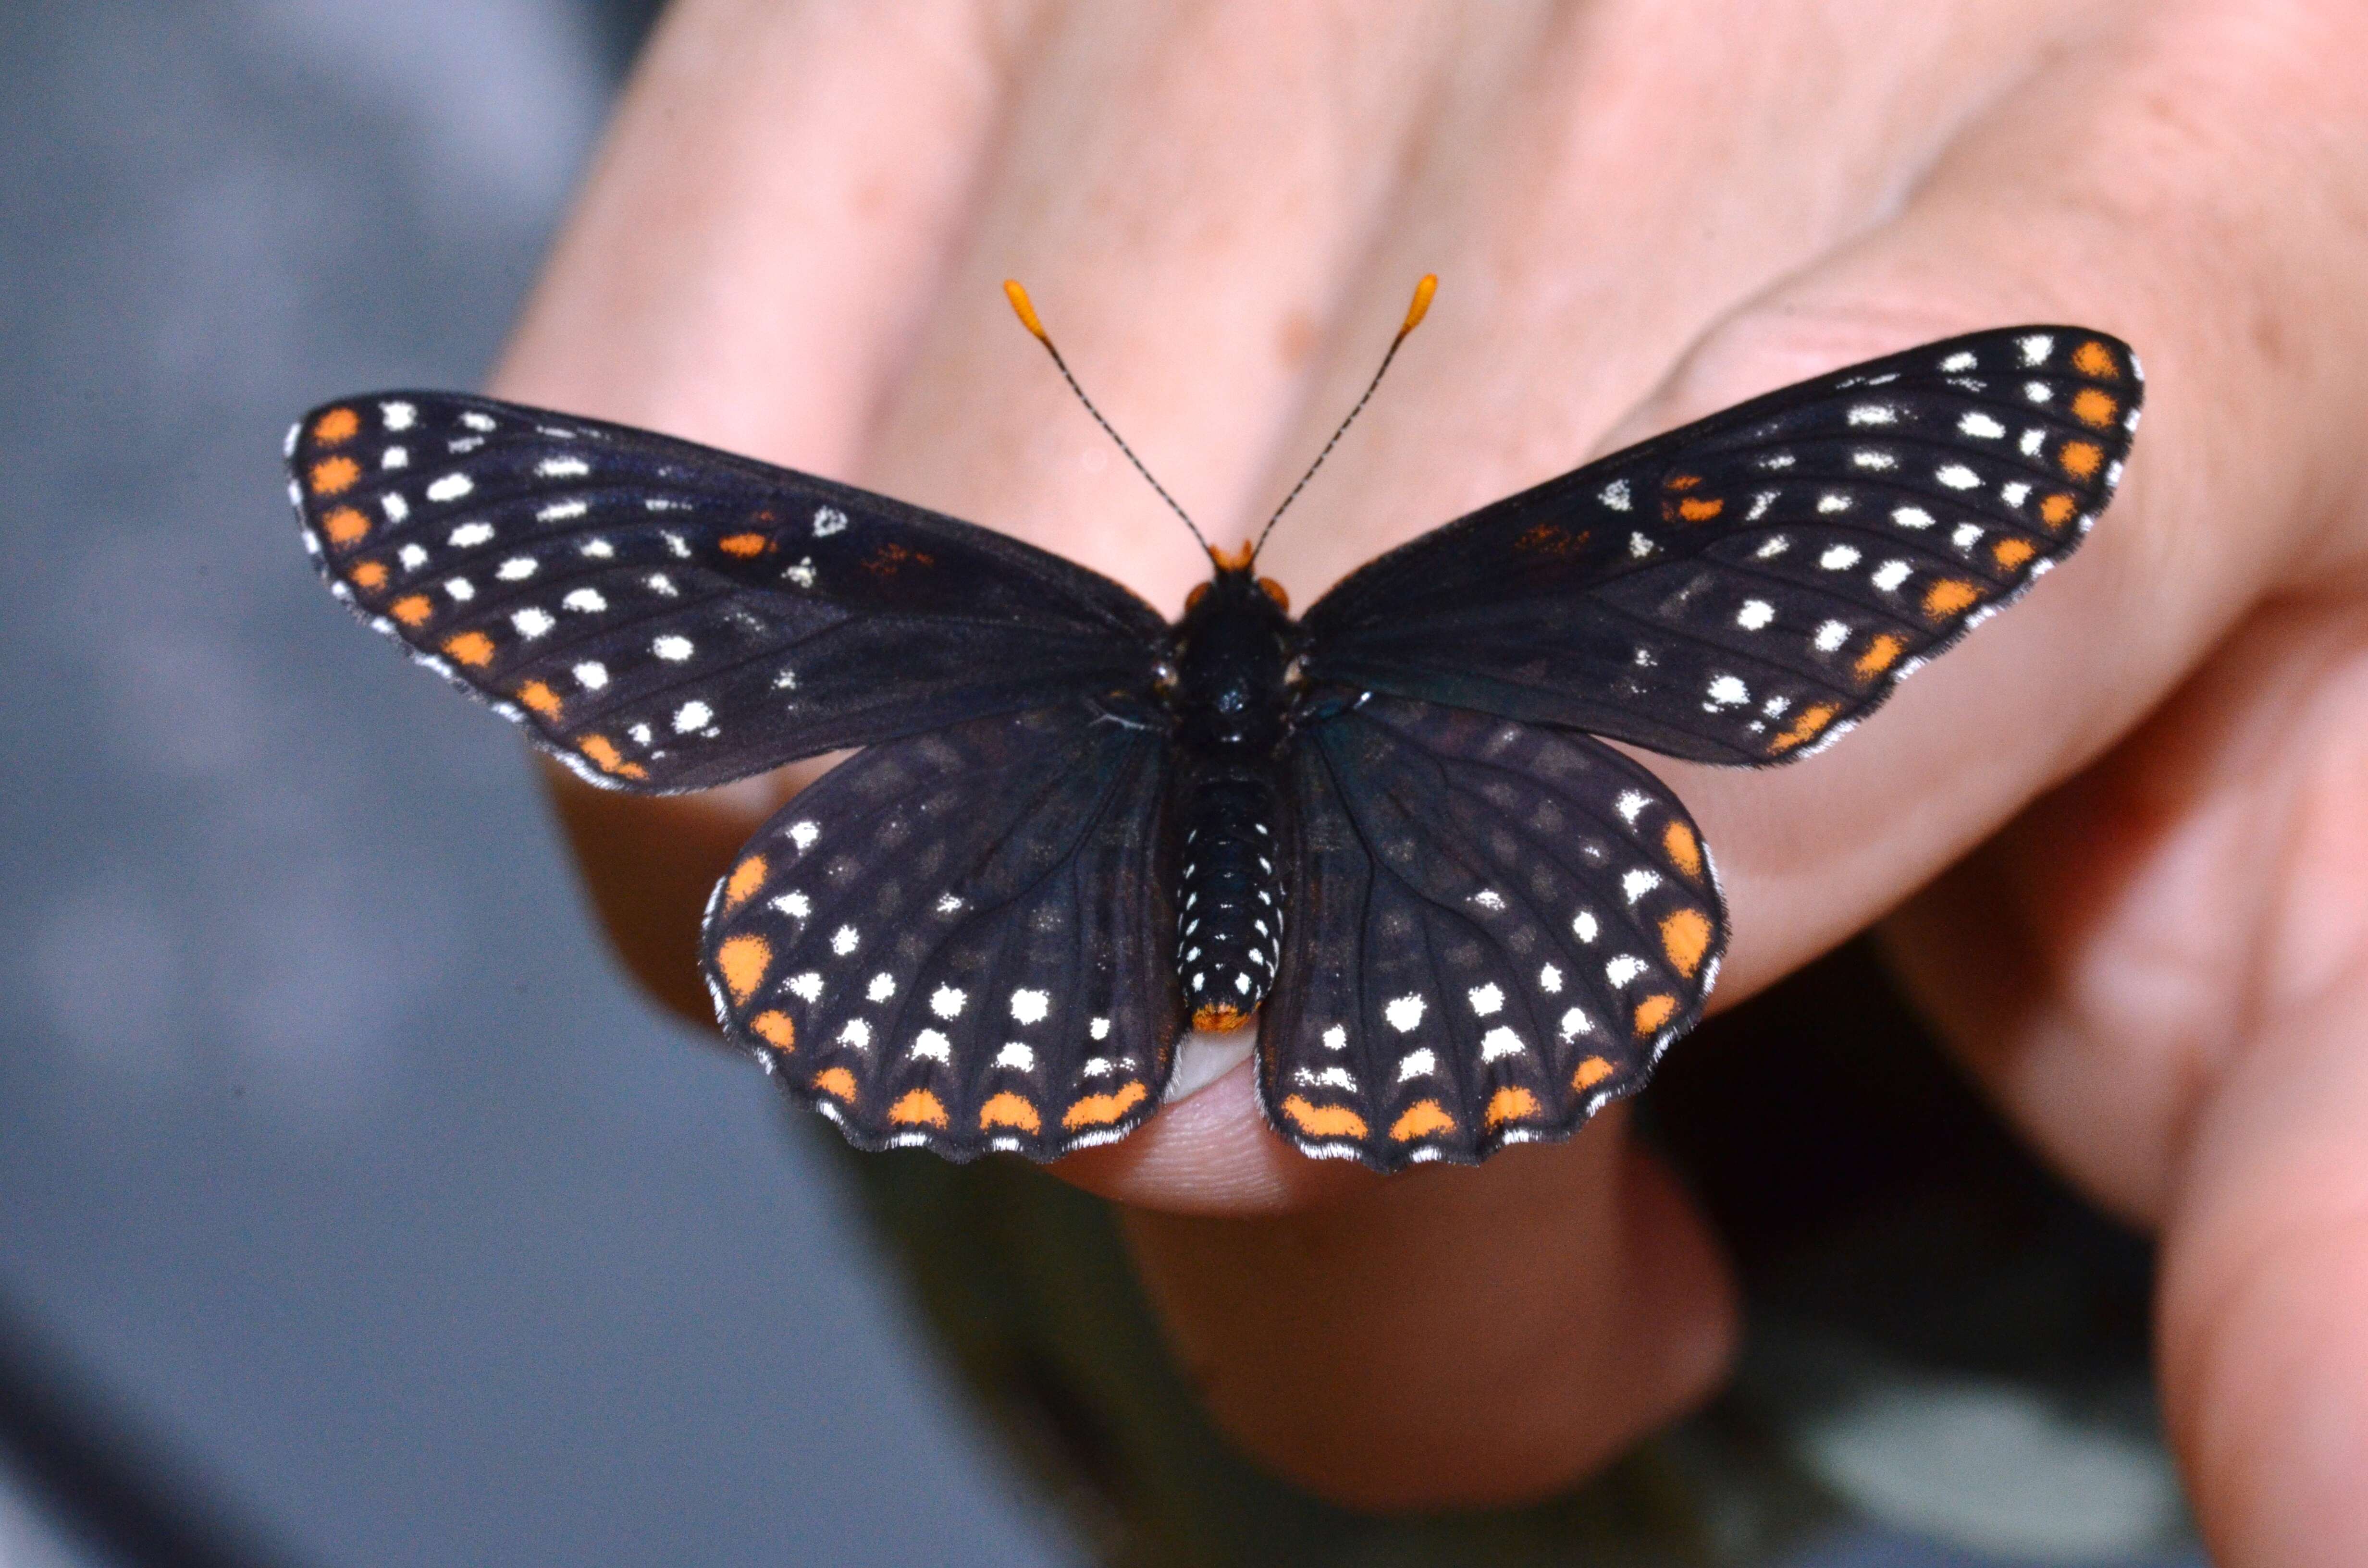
[(692, 717), (1029, 1007), (804, 834), (563, 468), (1623, 969), (883, 986), (1417, 1065), (1957, 476), (1403, 1013), (1838, 558), (1755, 614), (674, 650), (1639, 882), (1499, 1043), (947, 1001), (450, 487), (828, 520), (845, 940), (1485, 999), (1831, 635), (1980, 426), (1016, 1056)]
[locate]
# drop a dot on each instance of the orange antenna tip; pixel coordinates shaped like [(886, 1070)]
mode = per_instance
[(1415, 312), (1022, 307)]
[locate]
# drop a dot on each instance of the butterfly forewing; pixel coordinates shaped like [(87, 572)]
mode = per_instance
[(1743, 588), (663, 616), (1496, 928), (960, 940)]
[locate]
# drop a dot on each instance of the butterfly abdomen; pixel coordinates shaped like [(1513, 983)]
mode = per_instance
[(1229, 902), (1232, 702)]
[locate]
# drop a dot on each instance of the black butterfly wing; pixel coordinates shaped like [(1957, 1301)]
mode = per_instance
[(958, 941), (663, 616), (1495, 928), (1742, 589)]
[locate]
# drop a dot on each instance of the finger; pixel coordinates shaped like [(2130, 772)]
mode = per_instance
[(2265, 1272), (1386, 1353), (754, 247), (2031, 216)]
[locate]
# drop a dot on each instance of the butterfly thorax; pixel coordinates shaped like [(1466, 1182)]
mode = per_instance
[(1231, 701)]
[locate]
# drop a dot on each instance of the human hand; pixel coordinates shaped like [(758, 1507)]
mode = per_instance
[(2154, 944)]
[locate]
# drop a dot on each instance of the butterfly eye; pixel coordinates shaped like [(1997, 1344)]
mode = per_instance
[(1274, 591), (1192, 600)]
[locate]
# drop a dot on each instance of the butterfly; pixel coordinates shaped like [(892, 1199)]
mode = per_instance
[(1390, 830)]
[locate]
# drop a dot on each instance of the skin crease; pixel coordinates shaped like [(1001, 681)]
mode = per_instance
[(2143, 794)]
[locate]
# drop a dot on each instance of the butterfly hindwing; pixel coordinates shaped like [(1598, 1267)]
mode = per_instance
[(960, 940), (663, 616), (1742, 589), (1496, 928)]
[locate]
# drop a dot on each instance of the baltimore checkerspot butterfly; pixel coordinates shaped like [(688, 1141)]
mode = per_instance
[(1388, 828)]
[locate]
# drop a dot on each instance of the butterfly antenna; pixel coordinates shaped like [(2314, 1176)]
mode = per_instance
[(1025, 310), (1415, 312)]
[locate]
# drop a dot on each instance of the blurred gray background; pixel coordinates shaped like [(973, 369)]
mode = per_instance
[(336, 1161), (351, 1206)]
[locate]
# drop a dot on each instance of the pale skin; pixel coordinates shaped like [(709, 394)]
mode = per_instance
[(2121, 835)]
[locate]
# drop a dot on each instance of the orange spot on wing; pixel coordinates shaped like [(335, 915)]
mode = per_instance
[(2012, 553), (331, 475), (837, 1082), (1682, 481), (1652, 1012), (369, 575), (745, 879), (540, 698), (743, 961), (2094, 408), (1592, 1071), (1805, 726), (742, 545), (917, 1108), (1511, 1103), (1323, 1120), (1949, 597), (2093, 359), (345, 527), (2058, 509), (602, 750), (775, 1030), (1101, 1110), (1219, 1018), (1421, 1120), (1007, 1110), (1880, 655), (338, 425), (2081, 459), (1685, 937), (472, 648), (1700, 511), (1684, 851)]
